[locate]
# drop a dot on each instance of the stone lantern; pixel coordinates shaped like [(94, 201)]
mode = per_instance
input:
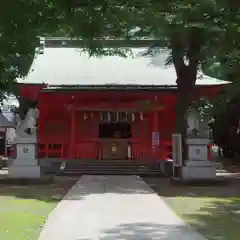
[(193, 122), (197, 166), (197, 125)]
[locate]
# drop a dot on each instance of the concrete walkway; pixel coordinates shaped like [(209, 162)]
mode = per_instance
[(114, 208)]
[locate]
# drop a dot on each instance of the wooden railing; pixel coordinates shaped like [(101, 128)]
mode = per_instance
[(86, 150), (92, 149)]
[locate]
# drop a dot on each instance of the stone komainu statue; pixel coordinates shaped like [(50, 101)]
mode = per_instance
[(28, 126)]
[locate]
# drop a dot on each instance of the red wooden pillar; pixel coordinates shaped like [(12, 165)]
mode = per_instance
[(155, 133), (73, 130)]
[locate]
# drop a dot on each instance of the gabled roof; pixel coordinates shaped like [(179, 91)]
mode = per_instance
[(72, 66)]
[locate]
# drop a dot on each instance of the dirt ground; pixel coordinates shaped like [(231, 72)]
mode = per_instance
[(228, 172), (164, 187)]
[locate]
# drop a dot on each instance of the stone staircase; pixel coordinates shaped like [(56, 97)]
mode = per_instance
[(110, 167)]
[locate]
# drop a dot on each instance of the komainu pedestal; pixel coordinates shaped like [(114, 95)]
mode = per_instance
[(25, 165)]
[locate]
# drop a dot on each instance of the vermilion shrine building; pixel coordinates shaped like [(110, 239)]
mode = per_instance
[(104, 107)]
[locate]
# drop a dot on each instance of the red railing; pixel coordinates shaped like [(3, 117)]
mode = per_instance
[(140, 151), (53, 149), (92, 149), (86, 150)]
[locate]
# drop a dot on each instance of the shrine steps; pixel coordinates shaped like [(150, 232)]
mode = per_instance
[(110, 167)]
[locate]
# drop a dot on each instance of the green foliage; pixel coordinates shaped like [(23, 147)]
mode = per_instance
[(224, 59), (21, 22)]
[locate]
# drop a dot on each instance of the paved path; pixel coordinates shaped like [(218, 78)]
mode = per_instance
[(114, 208)]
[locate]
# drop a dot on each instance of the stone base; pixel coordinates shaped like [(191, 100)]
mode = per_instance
[(195, 172), (21, 171)]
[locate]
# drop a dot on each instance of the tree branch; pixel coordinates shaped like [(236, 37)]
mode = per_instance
[(177, 55)]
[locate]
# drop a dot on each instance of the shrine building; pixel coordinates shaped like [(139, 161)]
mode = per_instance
[(105, 108)]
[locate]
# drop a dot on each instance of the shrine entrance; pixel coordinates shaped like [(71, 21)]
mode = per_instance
[(114, 135), (119, 130)]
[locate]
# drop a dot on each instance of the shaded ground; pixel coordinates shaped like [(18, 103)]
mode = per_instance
[(230, 165), (213, 211), (24, 208)]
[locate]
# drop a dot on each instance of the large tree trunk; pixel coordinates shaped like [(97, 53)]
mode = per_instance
[(185, 91), (186, 78), (181, 108), (186, 74)]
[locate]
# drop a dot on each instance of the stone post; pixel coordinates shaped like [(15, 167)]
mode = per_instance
[(177, 155)]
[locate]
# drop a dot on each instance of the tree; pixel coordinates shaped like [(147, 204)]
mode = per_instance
[(21, 22), (193, 31)]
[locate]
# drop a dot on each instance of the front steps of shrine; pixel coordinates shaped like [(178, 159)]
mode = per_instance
[(109, 167)]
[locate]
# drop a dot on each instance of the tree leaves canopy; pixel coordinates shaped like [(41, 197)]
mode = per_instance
[(179, 25), (21, 22)]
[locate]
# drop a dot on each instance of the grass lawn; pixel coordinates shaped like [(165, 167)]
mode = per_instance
[(214, 211), (214, 218), (24, 209)]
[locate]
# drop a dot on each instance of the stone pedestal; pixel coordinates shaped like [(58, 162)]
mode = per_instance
[(25, 165), (198, 166)]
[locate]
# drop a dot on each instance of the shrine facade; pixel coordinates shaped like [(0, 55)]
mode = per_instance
[(114, 122), (106, 108)]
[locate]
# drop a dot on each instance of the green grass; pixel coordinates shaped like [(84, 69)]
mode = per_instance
[(214, 218), (214, 211), (22, 219), (24, 209)]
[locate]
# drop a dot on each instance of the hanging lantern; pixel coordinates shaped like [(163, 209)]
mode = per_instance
[(85, 116), (101, 116), (133, 117), (141, 116), (109, 116), (117, 116)]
